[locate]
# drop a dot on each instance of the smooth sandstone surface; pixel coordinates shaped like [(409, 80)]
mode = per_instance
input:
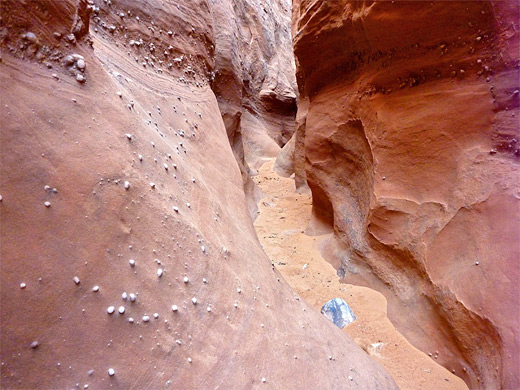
[(130, 115), (407, 135)]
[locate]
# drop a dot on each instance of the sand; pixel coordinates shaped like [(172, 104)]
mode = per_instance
[(282, 219)]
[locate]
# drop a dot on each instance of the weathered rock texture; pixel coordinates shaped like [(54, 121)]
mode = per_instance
[(254, 81), (407, 136), (141, 112)]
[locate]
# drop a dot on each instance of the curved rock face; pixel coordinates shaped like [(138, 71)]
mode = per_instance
[(254, 81), (128, 256), (407, 136)]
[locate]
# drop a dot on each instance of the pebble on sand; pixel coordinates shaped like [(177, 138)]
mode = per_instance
[(111, 309), (47, 204), (111, 372), (76, 279)]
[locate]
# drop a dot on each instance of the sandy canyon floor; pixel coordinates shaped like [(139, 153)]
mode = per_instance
[(282, 219)]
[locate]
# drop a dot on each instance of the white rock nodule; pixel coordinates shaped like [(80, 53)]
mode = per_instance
[(111, 372), (111, 310), (80, 64)]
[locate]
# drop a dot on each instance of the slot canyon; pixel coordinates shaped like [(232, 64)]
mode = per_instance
[(184, 184)]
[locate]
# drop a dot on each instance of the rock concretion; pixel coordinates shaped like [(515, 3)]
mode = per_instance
[(87, 140)]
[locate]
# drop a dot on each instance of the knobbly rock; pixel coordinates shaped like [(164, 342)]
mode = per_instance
[(91, 216), (31, 37), (80, 64)]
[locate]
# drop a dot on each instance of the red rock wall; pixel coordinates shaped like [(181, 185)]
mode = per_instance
[(133, 118), (254, 81), (409, 142)]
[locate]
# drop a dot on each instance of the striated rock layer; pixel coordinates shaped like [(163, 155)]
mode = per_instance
[(254, 81), (121, 198), (407, 135)]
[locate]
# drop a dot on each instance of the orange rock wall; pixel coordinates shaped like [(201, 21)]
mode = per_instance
[(408, 136)]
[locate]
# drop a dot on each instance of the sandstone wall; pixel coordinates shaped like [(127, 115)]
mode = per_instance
[(408, 139), (114, 148)]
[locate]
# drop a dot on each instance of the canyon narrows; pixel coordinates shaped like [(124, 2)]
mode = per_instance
[(128, 255), (132, 137)]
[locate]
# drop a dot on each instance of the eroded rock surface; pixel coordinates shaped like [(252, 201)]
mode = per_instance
[(407, 135), (128, 256)]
